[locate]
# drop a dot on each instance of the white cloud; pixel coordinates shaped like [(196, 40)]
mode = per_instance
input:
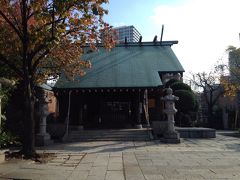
[(204, 29)]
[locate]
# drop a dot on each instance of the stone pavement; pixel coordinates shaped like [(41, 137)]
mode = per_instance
[(217, 158), (2, 156)]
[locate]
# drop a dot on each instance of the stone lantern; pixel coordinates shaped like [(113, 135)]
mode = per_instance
[(171, 135), (43, 138)]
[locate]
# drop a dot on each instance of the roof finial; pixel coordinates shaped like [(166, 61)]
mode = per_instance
[(140, 40), (162, 34), (155, 39)]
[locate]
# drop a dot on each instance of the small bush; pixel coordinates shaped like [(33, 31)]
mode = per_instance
[(170, 82), (7, 140), (180, 86), (187, 101), (184, 120)]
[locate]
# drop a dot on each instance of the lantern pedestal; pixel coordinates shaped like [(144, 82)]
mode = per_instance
[(171, 135)]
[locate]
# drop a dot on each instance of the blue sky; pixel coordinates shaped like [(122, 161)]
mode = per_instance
[(204, 28), (137, 13)]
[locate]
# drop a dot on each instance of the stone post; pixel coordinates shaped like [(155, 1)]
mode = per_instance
[(43, 138), (170, 136)]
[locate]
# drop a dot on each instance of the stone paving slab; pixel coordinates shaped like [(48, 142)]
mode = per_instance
[(2, 157), (115, 166), (115, 175), (217, 158), (81, 175)]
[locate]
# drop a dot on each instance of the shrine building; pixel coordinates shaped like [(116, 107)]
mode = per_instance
[(122, 89)]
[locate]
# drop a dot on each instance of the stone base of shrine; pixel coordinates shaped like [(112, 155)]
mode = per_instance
[(196, 132)]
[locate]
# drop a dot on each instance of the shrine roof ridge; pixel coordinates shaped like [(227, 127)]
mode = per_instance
[(147, 43)]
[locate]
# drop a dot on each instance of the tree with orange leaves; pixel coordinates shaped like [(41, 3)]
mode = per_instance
[(40, 39)]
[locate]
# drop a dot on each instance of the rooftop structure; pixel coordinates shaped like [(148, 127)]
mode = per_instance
[(129, 33)]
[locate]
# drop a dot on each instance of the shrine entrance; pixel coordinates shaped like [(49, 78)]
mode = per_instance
[(104, 110), (115, 114), (108, 114)]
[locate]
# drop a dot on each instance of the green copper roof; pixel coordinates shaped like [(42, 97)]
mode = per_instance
[(125, 66), (45, 86)]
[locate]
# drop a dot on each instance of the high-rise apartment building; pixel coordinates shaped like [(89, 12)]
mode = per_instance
[(130, 32), (234, 63)]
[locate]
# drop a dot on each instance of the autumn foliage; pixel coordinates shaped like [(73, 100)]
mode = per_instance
[(41, 39), (54, 33)]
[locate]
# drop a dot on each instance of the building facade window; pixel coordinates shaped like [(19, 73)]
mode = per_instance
[(130, 32)]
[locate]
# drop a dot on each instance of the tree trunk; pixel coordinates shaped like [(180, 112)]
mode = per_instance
[(28, 148)]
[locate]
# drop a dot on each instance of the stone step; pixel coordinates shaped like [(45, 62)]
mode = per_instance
[(106, 132), (108, 139), (107, 135)]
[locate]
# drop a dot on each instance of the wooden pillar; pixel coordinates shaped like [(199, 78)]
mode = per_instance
[(145, 107), (62, 106), (82, 112), (68, 116), (80, 117), (137, 110)]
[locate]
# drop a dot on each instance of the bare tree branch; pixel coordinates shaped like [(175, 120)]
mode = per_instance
[(39, 58)]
